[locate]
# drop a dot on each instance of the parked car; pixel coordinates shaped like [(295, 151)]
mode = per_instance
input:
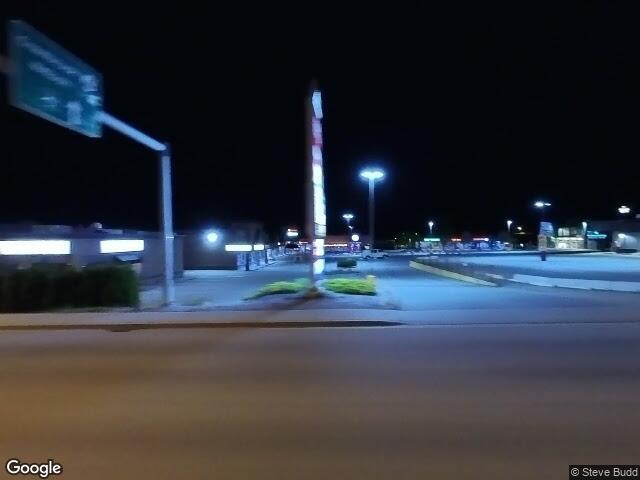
[(369, 254)]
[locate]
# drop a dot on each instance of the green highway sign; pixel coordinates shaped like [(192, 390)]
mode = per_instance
[(50, 82)]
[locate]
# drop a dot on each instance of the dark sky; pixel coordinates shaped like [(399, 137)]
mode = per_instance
[(475, 110)]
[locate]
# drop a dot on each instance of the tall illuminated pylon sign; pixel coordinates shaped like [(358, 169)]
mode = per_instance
[(316, 211)]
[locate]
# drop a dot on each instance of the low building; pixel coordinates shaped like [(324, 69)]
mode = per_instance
[(242, 245), (621, 235), (22, 246)]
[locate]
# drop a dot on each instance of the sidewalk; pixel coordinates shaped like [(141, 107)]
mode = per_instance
[(129, 321)]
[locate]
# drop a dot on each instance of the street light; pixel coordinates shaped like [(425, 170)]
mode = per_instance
[(584, 232), (431, 224), (624, 210), (509, 222), (371, 175), (348, 217), (211, 236), (541, 205)]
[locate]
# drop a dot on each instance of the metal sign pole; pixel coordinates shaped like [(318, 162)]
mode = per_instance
[(166, 216), (166, 210)]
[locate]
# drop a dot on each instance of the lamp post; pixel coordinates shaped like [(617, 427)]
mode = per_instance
[(431, 223), (509, 222), (584, 233), (541, 205), (348, 217), (371, 175)]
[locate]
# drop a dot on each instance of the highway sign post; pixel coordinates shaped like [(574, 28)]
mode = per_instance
[(50, 82)]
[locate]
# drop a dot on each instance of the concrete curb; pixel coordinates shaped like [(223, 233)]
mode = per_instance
[(453, 275), (575, 283), (128, 327)]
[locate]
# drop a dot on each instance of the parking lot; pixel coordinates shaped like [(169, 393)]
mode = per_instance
[(403, 288)]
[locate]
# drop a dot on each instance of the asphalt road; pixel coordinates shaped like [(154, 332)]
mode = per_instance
[(412, 403)]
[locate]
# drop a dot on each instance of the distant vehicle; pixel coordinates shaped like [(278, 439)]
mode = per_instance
[(292, 247), (368, 254)]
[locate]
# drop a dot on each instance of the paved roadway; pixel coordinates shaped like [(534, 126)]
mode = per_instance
[(408, 402)]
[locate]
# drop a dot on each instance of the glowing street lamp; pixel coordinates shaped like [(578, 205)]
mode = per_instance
[(348, 217), (541, 205), (211, 236), (623, 210), (431, 223), (371, 175), (509, 222)]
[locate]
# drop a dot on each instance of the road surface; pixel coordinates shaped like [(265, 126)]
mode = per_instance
[(461, 402)]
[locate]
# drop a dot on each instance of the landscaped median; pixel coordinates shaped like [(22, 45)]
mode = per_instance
[(453, 269), (348, 286)]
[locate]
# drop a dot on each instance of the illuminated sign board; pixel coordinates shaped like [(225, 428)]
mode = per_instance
[(317, 174), (595, 235), (316, 207)]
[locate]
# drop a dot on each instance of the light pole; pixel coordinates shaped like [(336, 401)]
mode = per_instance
[(431, 224), (371, 175), (348, 217), (509, 222), (584, 233), (541, 205)]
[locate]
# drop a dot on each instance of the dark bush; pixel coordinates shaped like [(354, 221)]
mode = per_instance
[(40, 288), (347, 263)]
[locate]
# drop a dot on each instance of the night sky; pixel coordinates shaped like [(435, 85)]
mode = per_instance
[(475, 110)]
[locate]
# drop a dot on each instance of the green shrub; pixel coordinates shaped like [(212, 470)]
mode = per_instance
[(347, 263), (352, 286), (45, 288), (276, 288)]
